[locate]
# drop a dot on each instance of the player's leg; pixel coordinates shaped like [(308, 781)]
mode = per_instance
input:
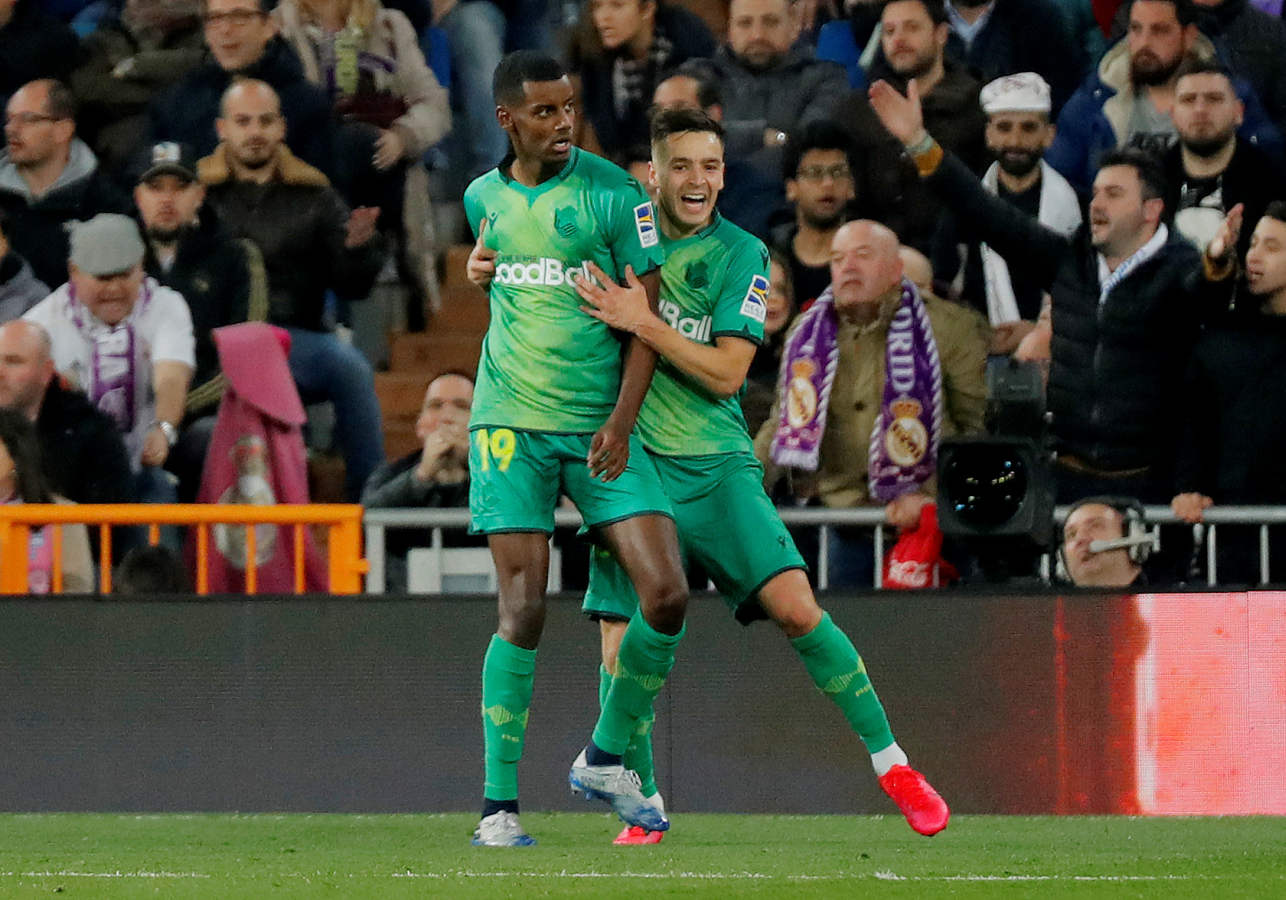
[(511, 501), (610, 599), (838, 671)]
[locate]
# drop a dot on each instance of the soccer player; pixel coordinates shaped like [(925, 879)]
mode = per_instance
[(714, 286), (554, 411)]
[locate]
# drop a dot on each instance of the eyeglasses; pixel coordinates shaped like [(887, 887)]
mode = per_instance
[(819, 173), (237, 18), (25, 119)]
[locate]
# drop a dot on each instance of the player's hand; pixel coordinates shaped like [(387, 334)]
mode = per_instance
[(904, 512), (155, 448), (623, 308), (1191, 507), (901, 116), (388, 149), (1225, 239), (609, 451), (481, 267), (360, 227)]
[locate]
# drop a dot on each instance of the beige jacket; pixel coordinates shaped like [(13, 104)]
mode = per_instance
[(428, 117), (841, 479)]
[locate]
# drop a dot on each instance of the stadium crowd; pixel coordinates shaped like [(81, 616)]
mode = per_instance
[(1096, 186)]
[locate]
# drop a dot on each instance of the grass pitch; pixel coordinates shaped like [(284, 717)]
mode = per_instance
[(222, 856)]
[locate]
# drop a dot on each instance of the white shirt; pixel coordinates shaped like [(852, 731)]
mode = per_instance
[(162, 329)]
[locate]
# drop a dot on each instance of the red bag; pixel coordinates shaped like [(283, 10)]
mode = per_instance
[(916, 559)]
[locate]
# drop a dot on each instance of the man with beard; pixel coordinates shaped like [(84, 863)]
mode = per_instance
[(311, 244), (818, 170), (913, 39), (1211, 169), (222, 280), (1128, 301), (1018, 134)]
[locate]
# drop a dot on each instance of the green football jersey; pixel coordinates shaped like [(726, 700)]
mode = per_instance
[(713, 283), (546, 365)]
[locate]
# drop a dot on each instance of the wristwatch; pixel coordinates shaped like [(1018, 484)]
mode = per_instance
[(171, 433)]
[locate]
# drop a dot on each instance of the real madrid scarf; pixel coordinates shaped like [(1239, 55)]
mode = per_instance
[(904, 442)]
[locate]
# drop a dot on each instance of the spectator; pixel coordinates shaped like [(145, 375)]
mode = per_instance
[(83, 452), (1083, 31), (818, 171), (619, 52), (368, 58), (761, 378), (129, 60), (1211, 169), (151, 570), (771, 85), (750, 196), (475, 31), (1248, 40), (833, 412), (1233, 433), (913, 37), (1128, 301), (33, 46), (1000, 37), (436, 475), (49, 177), (22, 481), (243, 42), (1102, 519), (20, 289), (126, 340), (311, 244), (1018, 134), (221, 278)]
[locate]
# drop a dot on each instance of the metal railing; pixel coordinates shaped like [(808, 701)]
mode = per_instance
[(378, 521), (343, 522)]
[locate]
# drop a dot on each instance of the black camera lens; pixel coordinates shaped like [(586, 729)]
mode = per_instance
[(985, 485)]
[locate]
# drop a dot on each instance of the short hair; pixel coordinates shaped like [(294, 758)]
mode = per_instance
[(152, 570), (1276, 210), (1152, 181), (458, 373), (240, 81), (60, 102), (709, 91), (265, 6), (821, 134), (1193, 65), (936, 9), (518, 68), (666, 122), (640, 153), (1184, 10), (18, 435)]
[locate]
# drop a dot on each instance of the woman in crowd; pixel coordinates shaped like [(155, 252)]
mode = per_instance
[(761, 379), (392, 109), (620, 51), (23, 481)]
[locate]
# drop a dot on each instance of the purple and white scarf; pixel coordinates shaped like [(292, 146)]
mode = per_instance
[(903, 450), (113, 384)]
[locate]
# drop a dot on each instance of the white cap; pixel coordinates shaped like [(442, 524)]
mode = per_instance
[(1022, 92)]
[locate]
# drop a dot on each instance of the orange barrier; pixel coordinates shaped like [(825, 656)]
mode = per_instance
[(342, 521)]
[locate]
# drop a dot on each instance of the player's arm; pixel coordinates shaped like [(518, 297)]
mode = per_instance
[(610, 448), (720, 368)]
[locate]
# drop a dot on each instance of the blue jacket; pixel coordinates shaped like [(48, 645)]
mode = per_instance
[(1098, 113)]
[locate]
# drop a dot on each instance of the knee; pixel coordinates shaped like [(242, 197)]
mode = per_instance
[(798, 618), (665, 606)]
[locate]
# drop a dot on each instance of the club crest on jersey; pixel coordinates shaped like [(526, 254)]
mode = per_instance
[(565, 221), (755, 306), (645, 222), (697, 275)]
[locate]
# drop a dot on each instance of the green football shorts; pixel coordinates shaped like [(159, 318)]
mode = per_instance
[(515, 478), (726, 522)]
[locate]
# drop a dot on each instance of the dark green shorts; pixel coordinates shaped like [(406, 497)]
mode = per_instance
[(726, 522), (515, 478)]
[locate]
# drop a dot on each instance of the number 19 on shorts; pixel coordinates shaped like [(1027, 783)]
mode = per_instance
[(498, 445)]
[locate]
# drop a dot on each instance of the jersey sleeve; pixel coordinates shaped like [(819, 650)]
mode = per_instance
[(742, 305), (632, 230), (474, 211)]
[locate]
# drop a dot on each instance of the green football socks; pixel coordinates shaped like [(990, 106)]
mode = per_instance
[(642, 664), (638, 753), (838, 671), (507, 675)]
